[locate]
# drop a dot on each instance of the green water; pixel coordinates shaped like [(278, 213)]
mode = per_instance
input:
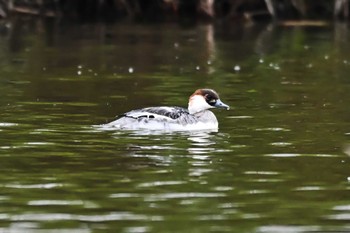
[(279, 162)]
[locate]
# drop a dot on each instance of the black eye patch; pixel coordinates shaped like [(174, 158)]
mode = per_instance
[(210, 99)]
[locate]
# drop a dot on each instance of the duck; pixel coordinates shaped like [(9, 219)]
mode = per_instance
[(196, 117)]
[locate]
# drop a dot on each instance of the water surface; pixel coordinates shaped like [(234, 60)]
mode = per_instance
[(278, 163)]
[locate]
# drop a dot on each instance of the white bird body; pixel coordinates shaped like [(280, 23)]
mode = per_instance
[(196, 117)]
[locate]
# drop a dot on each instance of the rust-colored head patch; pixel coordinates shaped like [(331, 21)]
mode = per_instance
[(209, 95)]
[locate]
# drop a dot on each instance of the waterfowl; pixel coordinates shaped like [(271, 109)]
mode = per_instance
[(196, 117)]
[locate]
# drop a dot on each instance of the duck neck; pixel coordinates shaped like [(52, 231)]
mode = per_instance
[(193, 110), (197, 104)]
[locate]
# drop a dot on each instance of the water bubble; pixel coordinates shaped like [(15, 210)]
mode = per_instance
[(326, 57), (198, 68), (80, 66), (261, 60), (79, 72), (131, 70), (237, 68)]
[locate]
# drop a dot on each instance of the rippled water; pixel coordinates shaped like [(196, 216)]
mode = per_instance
[(279, 162)]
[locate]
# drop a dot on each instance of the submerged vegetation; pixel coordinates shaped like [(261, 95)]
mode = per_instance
[(172, 10)]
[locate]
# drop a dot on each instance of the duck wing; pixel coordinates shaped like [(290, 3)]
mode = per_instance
[(171, 113)]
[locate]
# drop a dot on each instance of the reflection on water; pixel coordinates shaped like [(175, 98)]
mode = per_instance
[(278, 163)]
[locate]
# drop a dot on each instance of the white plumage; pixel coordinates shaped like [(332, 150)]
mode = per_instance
[(196, 117)]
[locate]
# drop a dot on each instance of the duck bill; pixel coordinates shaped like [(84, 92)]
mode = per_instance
[(220, 104)]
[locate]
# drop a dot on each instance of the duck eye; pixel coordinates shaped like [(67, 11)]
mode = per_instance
[(210, 99)]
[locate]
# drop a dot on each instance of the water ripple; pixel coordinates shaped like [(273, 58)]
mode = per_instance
[(55, 202), (166, 196), (261, 173), (114, 216), (32, 228), (342, 217), (342, 207), (160, 183), (281, 144), (34, 186), (283, 155), (273, 129), (309, 188), (286, 229), (7, 124)]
